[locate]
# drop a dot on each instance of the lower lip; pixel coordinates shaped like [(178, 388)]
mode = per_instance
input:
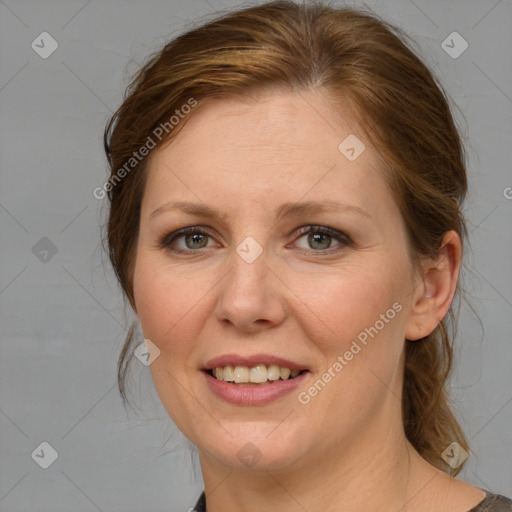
[(240, 394)]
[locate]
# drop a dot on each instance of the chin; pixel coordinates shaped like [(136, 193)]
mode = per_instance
[(253, 447)]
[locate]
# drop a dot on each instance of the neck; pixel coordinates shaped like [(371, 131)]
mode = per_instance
[(376, 469)]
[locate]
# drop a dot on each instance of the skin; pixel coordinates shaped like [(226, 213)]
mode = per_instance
[(347, 444)]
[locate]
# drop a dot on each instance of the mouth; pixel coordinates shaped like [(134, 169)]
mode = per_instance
[(258, 375), (255, 380)]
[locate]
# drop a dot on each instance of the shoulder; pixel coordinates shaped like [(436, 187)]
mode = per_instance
[(493, 503)]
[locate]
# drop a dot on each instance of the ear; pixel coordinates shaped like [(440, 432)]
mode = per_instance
[(434, 294)]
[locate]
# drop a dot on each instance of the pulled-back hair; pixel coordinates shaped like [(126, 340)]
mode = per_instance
[(357, 59)]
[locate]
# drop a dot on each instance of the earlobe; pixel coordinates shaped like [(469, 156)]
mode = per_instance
[(434, 295)]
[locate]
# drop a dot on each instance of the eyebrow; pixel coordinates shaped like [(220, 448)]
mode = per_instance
[(285, 210)]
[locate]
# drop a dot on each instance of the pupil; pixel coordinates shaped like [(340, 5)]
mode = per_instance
[(314, 237), (195, 238)]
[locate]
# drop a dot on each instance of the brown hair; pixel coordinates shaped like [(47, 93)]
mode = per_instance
[(354, 56)]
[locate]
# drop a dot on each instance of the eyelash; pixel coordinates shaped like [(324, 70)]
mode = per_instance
[(342, 238)]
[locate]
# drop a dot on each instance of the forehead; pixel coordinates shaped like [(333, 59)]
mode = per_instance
[(280, 146), (275, 123)]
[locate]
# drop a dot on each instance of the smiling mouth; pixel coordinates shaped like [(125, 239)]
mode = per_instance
[(256, 375)]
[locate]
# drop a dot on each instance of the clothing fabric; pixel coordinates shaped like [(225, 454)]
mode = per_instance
[(491, 503)]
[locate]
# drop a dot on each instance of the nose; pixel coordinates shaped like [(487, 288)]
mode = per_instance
[(251, 297)]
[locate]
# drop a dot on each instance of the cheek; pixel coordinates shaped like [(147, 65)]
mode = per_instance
[(358, 326), (169, 310), (340, 306), (166, 300)]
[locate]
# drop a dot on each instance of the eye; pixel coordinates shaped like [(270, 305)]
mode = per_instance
[(320, 238), (193, 237)]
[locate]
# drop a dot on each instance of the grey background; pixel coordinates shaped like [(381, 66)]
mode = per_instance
[(63, 320)]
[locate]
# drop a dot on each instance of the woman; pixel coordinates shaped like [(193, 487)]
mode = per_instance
[(309, 377)]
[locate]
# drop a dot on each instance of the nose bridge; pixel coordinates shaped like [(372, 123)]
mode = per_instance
[(250, 250), (252, 230), (251, 235), (249, 294), (248, 263)]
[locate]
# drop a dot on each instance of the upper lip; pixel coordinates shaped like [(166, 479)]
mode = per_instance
[(250, 361)]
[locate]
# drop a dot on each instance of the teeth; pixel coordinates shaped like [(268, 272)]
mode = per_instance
[(228, 374), (273, 372), (259, 374), (241, 374)]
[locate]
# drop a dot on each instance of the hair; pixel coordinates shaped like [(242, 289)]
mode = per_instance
[(356, 58)]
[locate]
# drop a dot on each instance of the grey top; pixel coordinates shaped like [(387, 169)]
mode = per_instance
[(491, 503)]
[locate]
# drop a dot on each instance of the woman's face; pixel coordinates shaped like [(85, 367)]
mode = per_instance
[(249, 287)]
